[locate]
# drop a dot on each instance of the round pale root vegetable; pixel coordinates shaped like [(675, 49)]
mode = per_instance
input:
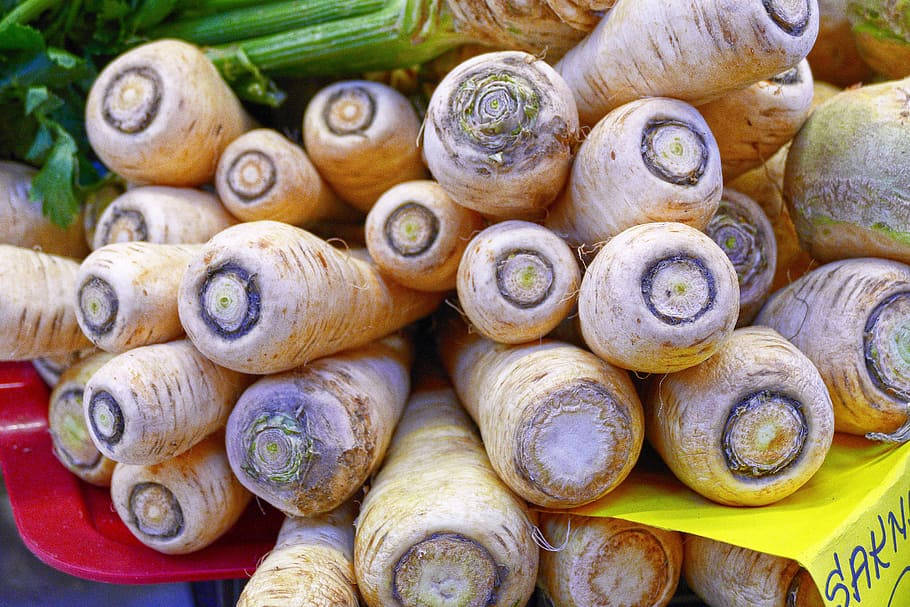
[(835, 58), (312, 564), (658, 298), (517, 281), (747, 427), (73, 444), (881, 29), (852, 318), (847, 182), (153, 403), (306, 440), (50, 368), (262, 175), (561, 427), (161, 114), (362, 136), (127, 294), (265, 297), (162, 215), (437, 526), (607, 562), (742, 231), (416, 234), (731, 576), (499, 134), (22, 222), (685, 50), (751, 124), (183, 504), (649, 160), (37, 317)]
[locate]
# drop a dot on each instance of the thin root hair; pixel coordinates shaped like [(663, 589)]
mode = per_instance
[(544, 544)]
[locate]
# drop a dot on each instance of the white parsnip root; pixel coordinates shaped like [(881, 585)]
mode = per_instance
[(437, 526), (649, 160), (306, 440), (747, 427)]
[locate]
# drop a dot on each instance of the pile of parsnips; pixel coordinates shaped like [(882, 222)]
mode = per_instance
[(638, 201)]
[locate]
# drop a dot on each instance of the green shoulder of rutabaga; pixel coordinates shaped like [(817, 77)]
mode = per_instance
[(881, 29)]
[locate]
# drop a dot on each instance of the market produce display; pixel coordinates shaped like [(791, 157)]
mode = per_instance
[(482, 255)]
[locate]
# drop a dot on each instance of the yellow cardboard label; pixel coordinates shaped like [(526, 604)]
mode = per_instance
[(848, 525)]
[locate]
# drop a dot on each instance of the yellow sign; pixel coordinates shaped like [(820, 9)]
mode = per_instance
[(848, 525)]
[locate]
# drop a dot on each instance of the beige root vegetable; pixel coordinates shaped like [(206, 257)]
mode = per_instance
[(153, 403), (262, 175), (846, 184), (306, 440), (562, 428), (685, 50), (835, 58), (127, 294), (22, 222), (747, 427), (852, 319), (161, 114), (649, 160), (607, 562), (437, 526), (183, 504), (517, 281), (658, 298), (881, 29), (37, 316), (162, 215), (312, 564), (362, 136), (742, 231), (265, 297), (583, 15), (50, 368), (95, 204), (73, 444), (417, 234), (499, 134), (751, 124), (731, 576)]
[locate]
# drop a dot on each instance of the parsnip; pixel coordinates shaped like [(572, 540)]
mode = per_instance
[(649, 160), (362, 136), (73, 445), (607, 562), (162, 215), (747, 427), (517, 281), (312, 564), (95, 204), (437, 526), (37, 316), (694, 51), (561, 427), (306, 440), (583, 15), (50, 368), (127, 294), (499, 133), (835, 58), (161, 114), (417, 234), (731, 576), (742, 231), (265, 297), (153, 403), (852, 319), (183, 504), (658, 298)]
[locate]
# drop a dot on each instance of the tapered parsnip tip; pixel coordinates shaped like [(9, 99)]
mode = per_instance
[(106, 420), (229, 301), (155, 510), (349, 110), (251, 175), (97, 306), (765, 433), (639, 567), (411, 229), (792, 16), (131, 99)]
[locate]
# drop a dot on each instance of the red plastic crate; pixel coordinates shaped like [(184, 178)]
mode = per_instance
[(72, 526)]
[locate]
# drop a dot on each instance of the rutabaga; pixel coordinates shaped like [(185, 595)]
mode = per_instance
[(747, 427), (852, 319), (438, 527), (306, 440), (881, 29), (517, 281), (658, 298), (264, 297), (499, 134), (649, 160)]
